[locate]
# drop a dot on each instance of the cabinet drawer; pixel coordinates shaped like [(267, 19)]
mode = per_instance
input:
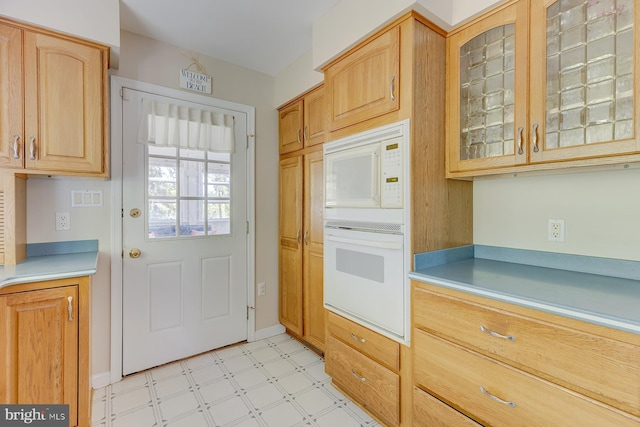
[(459, 376), (372, 344), (430, 412), (372, 385), (602, 368)]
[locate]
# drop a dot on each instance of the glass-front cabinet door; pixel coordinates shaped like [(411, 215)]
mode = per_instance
[(584, 66), (487, 95)]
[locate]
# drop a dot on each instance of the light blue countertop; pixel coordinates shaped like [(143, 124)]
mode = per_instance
[(50, 261), (596, 290)]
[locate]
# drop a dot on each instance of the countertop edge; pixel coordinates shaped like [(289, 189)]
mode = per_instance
[(528, 303), (53, 261)]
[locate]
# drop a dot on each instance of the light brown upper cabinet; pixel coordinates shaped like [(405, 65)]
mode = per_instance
[(53, 113), (365, 83), (303, 122), (541, 85)]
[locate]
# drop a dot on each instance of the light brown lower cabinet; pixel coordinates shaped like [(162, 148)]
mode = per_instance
[(44, 328), (431, 412), (505, 365), (366, 366)]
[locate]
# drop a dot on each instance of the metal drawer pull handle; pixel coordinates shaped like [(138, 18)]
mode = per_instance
[(392, 88), (32, 148), (16, 146), (520, 130), (70, 309), (534, 138), (497, 335), (305, 133), (298, 136), (357, 338), (361, 378), (497, 399)]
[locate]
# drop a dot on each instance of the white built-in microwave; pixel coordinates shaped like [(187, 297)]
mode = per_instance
[(365, 173)]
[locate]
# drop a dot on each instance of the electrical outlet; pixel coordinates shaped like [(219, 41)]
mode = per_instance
[(556, 230), (63, 221), (262, 288)]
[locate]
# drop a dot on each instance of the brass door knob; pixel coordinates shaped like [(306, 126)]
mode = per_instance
[(135, 253), (135, 212)]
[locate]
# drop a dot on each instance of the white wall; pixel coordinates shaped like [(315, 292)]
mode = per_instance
[(97, 20), (601, 212), (352, 20), (45, 197), (296, 79)]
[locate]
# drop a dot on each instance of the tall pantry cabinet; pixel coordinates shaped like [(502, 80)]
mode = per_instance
[(302, 123)]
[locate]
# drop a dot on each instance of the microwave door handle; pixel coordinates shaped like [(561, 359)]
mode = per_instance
[(380, 245)]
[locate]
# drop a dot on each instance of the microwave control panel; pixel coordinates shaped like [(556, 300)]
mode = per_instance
[(392, 174)]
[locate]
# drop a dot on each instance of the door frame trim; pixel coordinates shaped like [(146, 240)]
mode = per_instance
[(117, 85)]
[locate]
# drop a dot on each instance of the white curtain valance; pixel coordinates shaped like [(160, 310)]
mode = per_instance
[(172, 125)]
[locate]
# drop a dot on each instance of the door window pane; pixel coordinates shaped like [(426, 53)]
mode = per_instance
[(189, 193)]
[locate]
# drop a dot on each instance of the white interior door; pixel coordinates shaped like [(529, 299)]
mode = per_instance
[(184, 245)]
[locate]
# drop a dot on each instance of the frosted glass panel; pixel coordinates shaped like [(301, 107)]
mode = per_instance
[(589, 72), (486, 94)]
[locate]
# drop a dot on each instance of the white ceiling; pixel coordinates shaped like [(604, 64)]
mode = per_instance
[(262, 35)]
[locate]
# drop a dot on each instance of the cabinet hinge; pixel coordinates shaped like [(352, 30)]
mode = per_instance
[(121, 213)]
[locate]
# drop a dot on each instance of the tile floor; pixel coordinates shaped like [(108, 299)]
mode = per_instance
[(275, 382)]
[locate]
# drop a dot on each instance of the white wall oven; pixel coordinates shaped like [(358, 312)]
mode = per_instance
[(366, 230)]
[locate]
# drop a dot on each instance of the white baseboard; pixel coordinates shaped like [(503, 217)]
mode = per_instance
[(100, 380), (269, 332)]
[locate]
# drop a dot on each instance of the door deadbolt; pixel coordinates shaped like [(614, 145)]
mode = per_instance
[(135, 213), (135, 253)]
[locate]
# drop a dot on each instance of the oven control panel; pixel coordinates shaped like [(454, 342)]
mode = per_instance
[(392, 174)]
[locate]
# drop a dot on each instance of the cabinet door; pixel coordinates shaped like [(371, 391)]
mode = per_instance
[(290, 251), (584, 79), (290, 127), (11, 97), (315, 117), (313, 266), (365, 83), (487, 91), (39, 359), (64, 103)]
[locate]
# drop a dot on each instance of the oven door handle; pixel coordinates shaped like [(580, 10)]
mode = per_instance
[(369, 243)]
